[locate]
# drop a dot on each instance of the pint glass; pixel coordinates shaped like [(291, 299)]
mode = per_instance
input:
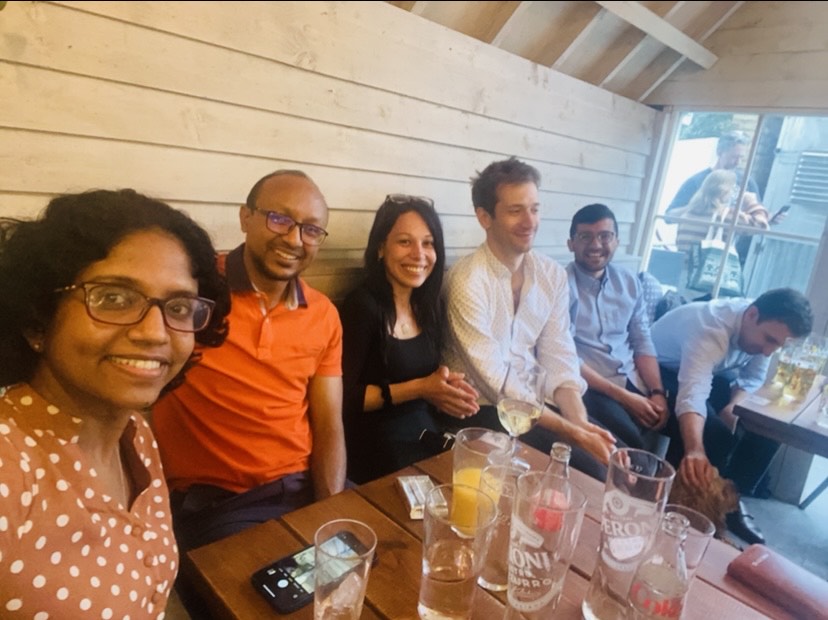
[(638, 484)]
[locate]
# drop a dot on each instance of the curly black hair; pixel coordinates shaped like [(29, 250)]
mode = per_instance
[(75, 230)]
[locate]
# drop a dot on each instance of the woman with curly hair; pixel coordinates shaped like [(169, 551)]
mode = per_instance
[(102, 299)]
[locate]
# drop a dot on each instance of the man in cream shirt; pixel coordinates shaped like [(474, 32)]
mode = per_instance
[(506, 301)]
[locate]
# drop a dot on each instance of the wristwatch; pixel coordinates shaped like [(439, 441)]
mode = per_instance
[(657, 391)]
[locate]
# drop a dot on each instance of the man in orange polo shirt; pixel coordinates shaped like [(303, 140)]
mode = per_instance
[(256, 429)]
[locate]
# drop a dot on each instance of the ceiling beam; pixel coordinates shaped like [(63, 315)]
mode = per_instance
[(651, 24), (510, 24), (656, 81), (418, 8)]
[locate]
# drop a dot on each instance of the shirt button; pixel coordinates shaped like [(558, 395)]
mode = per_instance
[(137, 531), (149, 561), (156, 597)]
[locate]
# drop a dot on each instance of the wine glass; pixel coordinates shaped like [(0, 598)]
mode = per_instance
[(520, 400)]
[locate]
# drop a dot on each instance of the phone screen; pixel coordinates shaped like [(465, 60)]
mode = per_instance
[(301, 570), (340, 546), (288, 583)]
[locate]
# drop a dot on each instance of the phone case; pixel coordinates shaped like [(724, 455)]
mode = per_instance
[(278, 583), (789, 585)]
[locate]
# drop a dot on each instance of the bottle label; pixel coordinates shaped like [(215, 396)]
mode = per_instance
[(531, 570), (649, 604)]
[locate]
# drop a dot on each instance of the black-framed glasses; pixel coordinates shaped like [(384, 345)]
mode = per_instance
[(116, 304), (404, 199), (604, 237), (283, 224)]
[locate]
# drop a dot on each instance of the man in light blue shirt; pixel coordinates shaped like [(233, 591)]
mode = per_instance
[(712, 354), (611, 329)]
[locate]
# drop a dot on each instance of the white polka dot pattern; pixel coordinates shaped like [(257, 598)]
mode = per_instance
[(485, 331), (67, 550)]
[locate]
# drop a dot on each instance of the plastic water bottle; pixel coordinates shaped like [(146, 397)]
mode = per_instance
[(660, 584)]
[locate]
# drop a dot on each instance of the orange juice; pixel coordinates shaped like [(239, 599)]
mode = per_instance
[(464, 500), (467, 475)]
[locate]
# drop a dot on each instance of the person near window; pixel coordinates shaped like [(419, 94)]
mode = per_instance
[(392, 341), (102, 299), (712, 354), (713, 203), (611, 329), (730, 153)]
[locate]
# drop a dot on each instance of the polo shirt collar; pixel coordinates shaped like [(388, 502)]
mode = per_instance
[(239, 281)]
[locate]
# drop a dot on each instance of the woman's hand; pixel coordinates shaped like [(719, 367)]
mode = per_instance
[(450, 393)]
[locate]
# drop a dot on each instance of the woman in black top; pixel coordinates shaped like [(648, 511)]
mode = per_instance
[(392, 340)]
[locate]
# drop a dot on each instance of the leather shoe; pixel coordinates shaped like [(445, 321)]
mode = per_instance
[(741, 523)]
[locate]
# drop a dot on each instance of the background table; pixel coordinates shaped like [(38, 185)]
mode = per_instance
[(221, 571), (793, 424)]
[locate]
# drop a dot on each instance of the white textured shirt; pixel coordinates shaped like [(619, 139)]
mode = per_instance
[(701, 340), (485, 331)]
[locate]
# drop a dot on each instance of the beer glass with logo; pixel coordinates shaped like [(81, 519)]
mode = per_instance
[(636, 491), (546, 520)]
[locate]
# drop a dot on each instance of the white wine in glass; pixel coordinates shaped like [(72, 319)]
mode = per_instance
[(520, 401)]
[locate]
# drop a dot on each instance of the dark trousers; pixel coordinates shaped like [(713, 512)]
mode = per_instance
[(610, 414), (743, 457), (539, 438), (203, 513)]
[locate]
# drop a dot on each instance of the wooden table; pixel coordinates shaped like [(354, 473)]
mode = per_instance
[(791, 423), (221, 571)]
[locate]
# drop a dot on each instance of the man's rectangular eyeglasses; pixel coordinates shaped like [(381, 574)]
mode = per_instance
[(120, 305), (282, 225), (404, 199), (604, 237)]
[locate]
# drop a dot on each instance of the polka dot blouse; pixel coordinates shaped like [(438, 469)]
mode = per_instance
[(67, 549)]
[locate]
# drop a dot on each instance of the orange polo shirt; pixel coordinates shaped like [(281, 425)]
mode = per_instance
[(241, 417)]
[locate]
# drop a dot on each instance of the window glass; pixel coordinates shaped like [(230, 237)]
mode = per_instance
[(743, 205)]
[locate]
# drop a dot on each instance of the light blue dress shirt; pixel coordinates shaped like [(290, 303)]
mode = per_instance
[(610, 323), (701, 340)]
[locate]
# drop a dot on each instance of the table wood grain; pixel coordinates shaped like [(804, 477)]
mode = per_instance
[(221, 571)]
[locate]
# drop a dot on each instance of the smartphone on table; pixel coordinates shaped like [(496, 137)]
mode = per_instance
[(288, 583)]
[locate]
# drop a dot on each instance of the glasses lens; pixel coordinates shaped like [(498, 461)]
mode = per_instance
[(187, 314), (114, 304), (313, 235), (279, 223), (119, 305), (282, 225), (603, 237)]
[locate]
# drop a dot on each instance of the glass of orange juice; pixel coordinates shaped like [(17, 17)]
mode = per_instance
[(474, 448)]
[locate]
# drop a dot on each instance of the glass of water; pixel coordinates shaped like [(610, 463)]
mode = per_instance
[(344, 551)]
